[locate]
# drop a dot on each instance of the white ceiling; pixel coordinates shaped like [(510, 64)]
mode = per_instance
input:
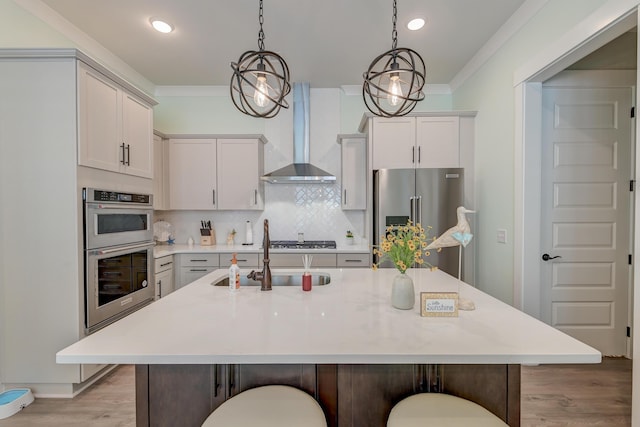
[(328, 43)]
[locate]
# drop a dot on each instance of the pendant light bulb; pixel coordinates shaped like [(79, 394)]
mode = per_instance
[(261, 95), (395, 90)]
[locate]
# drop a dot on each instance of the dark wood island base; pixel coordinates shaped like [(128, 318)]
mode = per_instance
[(350, 395)]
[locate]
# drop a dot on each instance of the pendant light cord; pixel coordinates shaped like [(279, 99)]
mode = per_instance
[(394, 33), (261, 32)]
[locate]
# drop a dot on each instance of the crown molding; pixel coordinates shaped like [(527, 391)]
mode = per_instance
[(524, 13), (87, 44)]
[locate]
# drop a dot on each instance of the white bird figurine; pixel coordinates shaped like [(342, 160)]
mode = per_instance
[(459, 234)]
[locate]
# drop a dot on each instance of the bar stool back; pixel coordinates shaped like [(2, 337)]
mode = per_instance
[(441, 410), (268, 406)]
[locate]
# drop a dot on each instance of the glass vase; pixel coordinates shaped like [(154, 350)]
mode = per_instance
[(402, 294)]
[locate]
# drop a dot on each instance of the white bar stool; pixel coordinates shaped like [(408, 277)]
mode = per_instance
[(268, 406), (441, 410)]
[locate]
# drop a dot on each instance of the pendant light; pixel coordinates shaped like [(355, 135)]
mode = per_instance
[(260, 80), (394, 81)]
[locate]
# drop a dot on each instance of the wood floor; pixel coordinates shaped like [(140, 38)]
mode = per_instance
[(552, 396), (110, 402), (577, 395)]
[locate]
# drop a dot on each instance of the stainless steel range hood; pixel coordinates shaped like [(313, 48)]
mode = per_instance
[(300, 171)]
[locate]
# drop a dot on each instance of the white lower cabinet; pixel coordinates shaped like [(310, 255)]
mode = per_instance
[(244, 260), (358, 260), (164, 276), (193, 266), (294, 260)]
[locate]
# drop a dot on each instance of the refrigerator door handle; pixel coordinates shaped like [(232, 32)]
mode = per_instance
[(412, 209), (418, 217)]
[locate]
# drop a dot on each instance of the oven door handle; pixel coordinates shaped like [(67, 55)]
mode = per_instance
[(125, 248), (118, 206)]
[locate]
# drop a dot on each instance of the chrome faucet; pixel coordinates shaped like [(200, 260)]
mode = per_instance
[(264, 276)]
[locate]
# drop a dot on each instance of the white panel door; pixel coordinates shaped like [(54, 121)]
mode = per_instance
[(192, 174), (438, 142), (586, 169), (137, 135), (100, 144), (240, 165), (394, 143), (354, 172)]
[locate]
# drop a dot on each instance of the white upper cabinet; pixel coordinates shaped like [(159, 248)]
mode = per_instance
[(393, 142), (137, 135), (192, 174), (354, 171), (438, 142), (160, 168), (115, 128), (216, 174), (415, 142), (240, 165)]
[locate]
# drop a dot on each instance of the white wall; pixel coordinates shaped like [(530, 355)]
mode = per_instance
[(490, 91)]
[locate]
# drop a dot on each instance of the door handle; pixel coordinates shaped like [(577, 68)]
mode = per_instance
[(412, 209), (547, 257)]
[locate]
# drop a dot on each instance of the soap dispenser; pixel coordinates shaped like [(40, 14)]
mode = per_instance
[(234, 274)]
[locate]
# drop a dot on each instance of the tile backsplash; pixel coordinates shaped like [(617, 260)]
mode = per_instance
[(312, 209)]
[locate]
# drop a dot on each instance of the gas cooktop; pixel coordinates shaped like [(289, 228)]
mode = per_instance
[(307, 244)]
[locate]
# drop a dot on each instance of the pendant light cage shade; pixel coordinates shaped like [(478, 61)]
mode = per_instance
[(260, 79), (259, 83), (393, 83)]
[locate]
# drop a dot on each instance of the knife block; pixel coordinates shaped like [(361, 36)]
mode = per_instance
[(209, 240)]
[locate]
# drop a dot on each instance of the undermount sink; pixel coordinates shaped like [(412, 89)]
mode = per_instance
[(279, 279)]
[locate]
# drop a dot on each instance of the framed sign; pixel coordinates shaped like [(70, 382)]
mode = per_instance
[(439, 304)]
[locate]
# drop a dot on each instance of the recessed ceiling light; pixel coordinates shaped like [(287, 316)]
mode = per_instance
[(161, 25), (415, 24)]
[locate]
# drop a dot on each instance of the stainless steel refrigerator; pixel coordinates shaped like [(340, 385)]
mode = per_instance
[(429, 197)]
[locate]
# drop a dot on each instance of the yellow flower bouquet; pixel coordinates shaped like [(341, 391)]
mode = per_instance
[(404, 246)]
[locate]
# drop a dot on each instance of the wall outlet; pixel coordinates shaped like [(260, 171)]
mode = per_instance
[(502, 235)]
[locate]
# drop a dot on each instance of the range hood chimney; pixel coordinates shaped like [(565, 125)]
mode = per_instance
[(300, 171)]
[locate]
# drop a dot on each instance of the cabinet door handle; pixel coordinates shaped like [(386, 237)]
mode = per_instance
[(123, 156), (166, 263), (255, 197), (344, 202), (418, 154), (353, 260), (216, 384), (198, 269), (128, 155), (413, 154), (214, 196), (159, 288), (198, 260), (232, 374)]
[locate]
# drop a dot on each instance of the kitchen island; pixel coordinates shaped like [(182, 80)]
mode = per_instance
[(343, 343)]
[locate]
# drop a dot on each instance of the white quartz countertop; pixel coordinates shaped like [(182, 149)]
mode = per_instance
[(163, 250), (351, 320)]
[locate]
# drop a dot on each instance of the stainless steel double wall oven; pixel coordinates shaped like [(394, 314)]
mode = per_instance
[(118, 255)]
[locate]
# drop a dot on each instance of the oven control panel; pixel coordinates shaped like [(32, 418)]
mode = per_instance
[(104, 196)]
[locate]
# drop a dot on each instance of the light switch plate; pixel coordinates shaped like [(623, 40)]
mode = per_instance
[(502, 235)]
